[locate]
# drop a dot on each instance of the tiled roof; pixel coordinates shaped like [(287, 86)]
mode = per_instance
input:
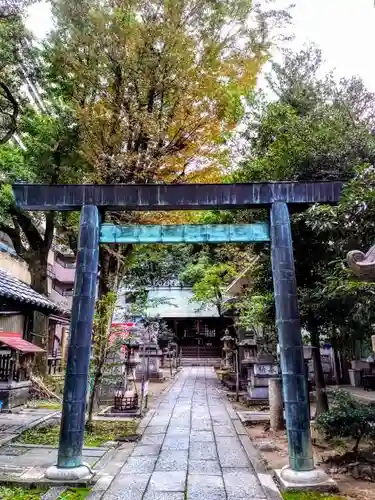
[(16, 342), (13, 288)]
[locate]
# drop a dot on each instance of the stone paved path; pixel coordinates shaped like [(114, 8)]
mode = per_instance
[(191, 449), (13, 424)]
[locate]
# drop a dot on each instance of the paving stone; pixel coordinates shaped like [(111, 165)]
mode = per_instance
[(171, 481), (201, 415), (33, 474), (224, 430), (218, 421), (176, 443), (205, 487), (211, 467), (160, 421), (152, 439), (172, 460), (179, 422), (155, 429), (181, 411), (178, 431), (202, 451), (103, 483), (146, 450), (128, 487), (231, 452), (203, 436), (201, 425), (139, 464), (164, 495), (242, 485)]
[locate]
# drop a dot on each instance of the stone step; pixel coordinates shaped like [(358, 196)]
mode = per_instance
[(200, 361), (200, 352)]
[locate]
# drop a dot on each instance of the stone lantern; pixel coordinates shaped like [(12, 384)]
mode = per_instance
[(228, 350), (249, 356), (126, 400)]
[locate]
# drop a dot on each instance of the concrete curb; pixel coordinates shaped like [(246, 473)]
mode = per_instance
[(41, 420), (265, 476)]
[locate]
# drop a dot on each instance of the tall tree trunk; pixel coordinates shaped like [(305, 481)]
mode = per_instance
[(40, 325), (93, 396), (109, 267), (336, 360), (320, 386)]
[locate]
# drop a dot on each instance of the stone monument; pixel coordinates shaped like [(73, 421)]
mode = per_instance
[(260, 364), (264, 368), (150, 353)]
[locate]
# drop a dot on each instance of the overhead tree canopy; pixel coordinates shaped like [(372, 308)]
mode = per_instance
[(155, 87), (157, 84)]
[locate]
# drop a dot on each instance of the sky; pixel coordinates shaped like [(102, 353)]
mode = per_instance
[(343, 29)]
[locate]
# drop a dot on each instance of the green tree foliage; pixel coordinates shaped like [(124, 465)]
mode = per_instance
[(255, 312), (155, 87), (348, 418), (318, 130), (208, 280), (155, 265), (49, 156), (126, 92), (37, 144), (15, 64)]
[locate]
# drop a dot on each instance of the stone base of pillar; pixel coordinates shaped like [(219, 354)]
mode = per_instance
[(81, 473), (316, 479)]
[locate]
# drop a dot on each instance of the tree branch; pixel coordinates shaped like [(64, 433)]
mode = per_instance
[(13, 119), (26, 224), (15, 235), (50, 228)]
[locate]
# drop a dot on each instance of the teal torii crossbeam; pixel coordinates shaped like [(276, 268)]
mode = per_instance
[(186, 233)]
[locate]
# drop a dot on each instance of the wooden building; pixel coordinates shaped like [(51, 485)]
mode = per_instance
[(18, 302)]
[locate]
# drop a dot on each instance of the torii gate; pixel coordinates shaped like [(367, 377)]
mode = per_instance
[(89, 199)]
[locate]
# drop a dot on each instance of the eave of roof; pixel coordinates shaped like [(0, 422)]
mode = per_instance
[(14, 289)]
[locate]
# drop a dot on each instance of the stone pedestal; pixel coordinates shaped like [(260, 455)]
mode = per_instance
[(355, 377), (14, 394), (262, 372), (151, 354), (276, 404), (315, 479)]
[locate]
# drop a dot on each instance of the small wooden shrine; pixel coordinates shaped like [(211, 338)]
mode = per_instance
[(16, 360)]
